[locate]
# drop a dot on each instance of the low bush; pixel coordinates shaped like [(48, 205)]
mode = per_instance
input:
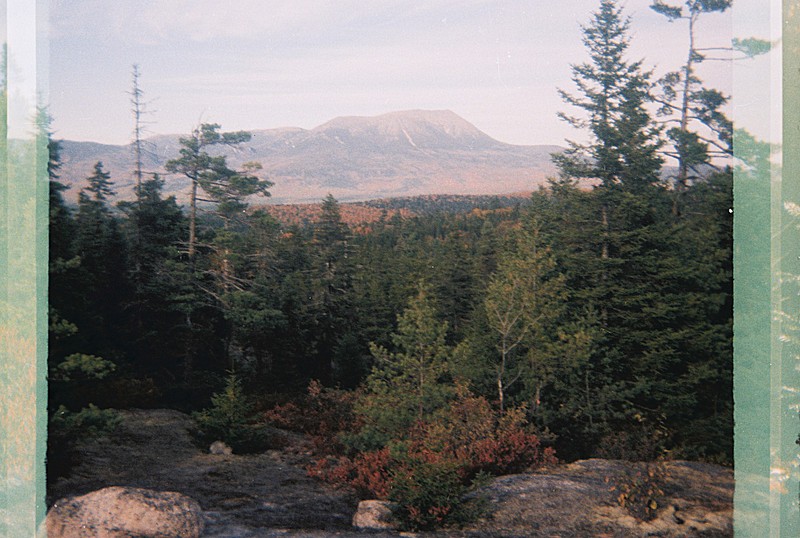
[(66, 428), (324, 414), (471, 432), (430, 494), (428, 472)]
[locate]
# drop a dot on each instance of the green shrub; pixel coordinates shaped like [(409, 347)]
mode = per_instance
[(83, 366), (230, 419), (430, 494), (90, 421), (66, 427)]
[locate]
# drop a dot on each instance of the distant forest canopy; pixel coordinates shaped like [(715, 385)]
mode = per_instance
[(361, 215), (602, 316)]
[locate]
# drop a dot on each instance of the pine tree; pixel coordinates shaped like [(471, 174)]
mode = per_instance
[(72, 372), (99, 185), (155, 228), (64, 280), (334, 289), (700, 130), (102, 250), (224, 186), (622, 153), (210, 280)]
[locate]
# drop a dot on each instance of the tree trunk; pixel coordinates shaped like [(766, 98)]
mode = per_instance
[(501, 371), (683, 167), (193, 219)]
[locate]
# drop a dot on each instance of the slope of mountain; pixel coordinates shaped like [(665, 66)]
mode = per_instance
[(354, 158)]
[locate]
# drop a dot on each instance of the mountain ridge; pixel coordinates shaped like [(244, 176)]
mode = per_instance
[(403, 153)]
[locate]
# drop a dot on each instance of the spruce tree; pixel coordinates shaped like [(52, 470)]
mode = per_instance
[(616, 241), (333, 294), (102, 251), (155, 228), (408, 385), (612, 94)]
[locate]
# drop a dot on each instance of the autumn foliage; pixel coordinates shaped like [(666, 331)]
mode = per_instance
[(427, 471), (322, 413)]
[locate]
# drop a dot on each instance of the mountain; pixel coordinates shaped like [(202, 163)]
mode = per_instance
[(354, 158)]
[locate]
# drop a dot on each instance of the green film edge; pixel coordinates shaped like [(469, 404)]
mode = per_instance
[(23, 274), (767, 287)]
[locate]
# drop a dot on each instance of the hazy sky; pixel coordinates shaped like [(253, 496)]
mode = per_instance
[(253, 64)]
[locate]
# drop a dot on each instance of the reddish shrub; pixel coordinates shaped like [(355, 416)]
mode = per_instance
[(323, 414), (512, 452), (284, 416), (471, 433), (428, 471), (369, 472), (335, 471), (373, 473)]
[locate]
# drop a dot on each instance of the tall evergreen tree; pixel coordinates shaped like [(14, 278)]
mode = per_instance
[(252, 308), (334, 286), (612, 93), (102, 251), (210, 174), (623, 150), (65, 284), (211, 279), (155, 228)]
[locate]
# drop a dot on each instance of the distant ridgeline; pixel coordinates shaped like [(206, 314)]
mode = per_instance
[(400, 154)]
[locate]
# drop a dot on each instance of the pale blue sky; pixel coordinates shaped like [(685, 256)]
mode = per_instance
[(252, 64)]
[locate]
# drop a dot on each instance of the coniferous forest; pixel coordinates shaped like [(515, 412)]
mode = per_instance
[(588, 322)]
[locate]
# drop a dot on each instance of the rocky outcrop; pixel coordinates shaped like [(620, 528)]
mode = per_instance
[(374, 515), (154, 449), (118, 512), (580, 499)]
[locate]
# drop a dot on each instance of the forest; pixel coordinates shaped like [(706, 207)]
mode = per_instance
[(422, 349)]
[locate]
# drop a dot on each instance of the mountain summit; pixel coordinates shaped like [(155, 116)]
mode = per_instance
[(417, 129), (354, 158)]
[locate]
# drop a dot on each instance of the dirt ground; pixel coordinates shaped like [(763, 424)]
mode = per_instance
[(270, 495)]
